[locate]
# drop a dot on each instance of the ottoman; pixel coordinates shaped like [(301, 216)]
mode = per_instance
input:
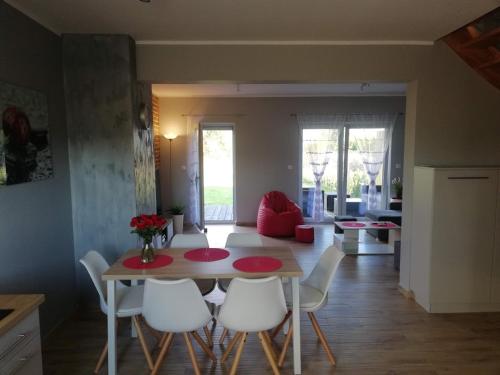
[(304, 233), (343, 218)]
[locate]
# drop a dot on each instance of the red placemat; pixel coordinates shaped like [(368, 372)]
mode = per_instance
[(353, 224), (257, 264), (159, 261), (206, 254), (384, 225)]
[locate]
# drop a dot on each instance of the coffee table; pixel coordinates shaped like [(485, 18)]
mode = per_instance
[(349, 241)]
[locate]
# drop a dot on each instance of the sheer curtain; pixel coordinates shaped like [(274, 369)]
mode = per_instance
[(373, 144), (193, 171), (319, 154)]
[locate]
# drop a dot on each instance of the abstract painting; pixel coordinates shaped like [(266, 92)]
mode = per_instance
[(25, 154)]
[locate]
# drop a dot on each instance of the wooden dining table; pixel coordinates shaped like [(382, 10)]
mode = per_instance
[(184, 268)]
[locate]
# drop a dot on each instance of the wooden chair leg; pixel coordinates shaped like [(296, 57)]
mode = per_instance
[(158, 336), (268, 351), (204, 346), (286, 344), (192, 354), (223, 336), (163, 353), (162, 340), (268, 340), (102, 358), (279, 327), (237, 358), (209, 336), (142, 340), (322, 337), (230, 346)]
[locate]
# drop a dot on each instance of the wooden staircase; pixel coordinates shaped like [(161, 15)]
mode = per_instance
[(478, 43)]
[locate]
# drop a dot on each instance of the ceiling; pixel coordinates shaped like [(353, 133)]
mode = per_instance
[(279, 90), (260, 21)]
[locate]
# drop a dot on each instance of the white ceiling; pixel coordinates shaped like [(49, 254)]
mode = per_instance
[(180, 21), (278, 90)]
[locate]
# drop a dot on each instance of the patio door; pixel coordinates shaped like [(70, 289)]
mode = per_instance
[(217, 146)]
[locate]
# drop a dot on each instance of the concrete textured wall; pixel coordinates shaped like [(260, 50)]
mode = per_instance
[(100, 90), (36, 236), (267, 141), (144, 166)]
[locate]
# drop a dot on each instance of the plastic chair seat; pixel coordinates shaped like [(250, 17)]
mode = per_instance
[(128, 301), (311, 299)]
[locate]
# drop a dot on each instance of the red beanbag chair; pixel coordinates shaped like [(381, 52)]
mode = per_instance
[(278, 216)]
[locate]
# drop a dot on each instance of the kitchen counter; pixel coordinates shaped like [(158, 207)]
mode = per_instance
[(22, 304)]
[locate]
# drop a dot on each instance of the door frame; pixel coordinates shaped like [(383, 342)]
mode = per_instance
[(216, 125)]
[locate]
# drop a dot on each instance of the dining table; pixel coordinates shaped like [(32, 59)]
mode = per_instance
[(182, 267)]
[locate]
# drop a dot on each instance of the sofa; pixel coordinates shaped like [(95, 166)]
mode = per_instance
[(278, 216), (393, 215)]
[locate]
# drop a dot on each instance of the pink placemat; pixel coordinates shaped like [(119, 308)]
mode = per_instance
[(159, 261), (257, 264), (353, 224), (206, 254), (384, 225)]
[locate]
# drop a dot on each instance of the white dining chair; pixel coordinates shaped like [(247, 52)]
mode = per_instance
[(128, 301), (252, 305), (195, 240), (313, 296), (243, 240), (188, 314), (235, 240)]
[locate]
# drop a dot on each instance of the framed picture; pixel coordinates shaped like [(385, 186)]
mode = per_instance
[(25, 153)]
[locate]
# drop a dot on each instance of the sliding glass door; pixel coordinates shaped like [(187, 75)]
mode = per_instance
[(320, 172), (364, 170), (343, 171)]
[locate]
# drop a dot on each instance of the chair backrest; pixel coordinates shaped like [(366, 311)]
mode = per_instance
[(189, 240), (96, 265), (174, 305), (322, 275), (253, 305), (243, 239)]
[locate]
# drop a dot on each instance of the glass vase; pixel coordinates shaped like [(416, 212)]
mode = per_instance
[(147, 252)]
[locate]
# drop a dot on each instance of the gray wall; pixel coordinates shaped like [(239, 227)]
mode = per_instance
[(100, 88), (36, 248), (267, 140)]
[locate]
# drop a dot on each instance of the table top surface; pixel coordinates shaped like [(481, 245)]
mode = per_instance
[(184, 268), (378, 225)]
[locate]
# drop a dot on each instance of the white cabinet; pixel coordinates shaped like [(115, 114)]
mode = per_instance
[(495, 284), (455, 263)]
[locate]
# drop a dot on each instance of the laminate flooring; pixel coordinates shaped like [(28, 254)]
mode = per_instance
[(372, 329)]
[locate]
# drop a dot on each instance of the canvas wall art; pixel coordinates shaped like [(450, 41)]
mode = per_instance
[(25, 154)]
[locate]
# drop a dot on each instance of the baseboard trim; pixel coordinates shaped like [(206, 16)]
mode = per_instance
[(245, 224)]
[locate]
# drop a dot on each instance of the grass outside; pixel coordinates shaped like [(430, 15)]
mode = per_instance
[(218, 195)]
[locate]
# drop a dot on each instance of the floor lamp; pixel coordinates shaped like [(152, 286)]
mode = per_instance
[(170, 137)]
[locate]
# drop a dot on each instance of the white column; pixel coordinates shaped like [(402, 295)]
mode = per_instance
[(111, 327), (296, 326)]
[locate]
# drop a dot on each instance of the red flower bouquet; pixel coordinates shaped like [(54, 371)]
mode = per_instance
[(147, 226)]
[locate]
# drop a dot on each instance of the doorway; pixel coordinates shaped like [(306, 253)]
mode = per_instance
[(218, 173)]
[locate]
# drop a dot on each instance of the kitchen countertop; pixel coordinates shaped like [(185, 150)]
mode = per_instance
[(22, 304)]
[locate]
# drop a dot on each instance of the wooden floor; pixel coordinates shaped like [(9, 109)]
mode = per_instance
[(372, 329), (218, 212)]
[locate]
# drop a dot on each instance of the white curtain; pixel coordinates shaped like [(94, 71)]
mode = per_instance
[(193, 171), (372, 143), (319, 154)]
